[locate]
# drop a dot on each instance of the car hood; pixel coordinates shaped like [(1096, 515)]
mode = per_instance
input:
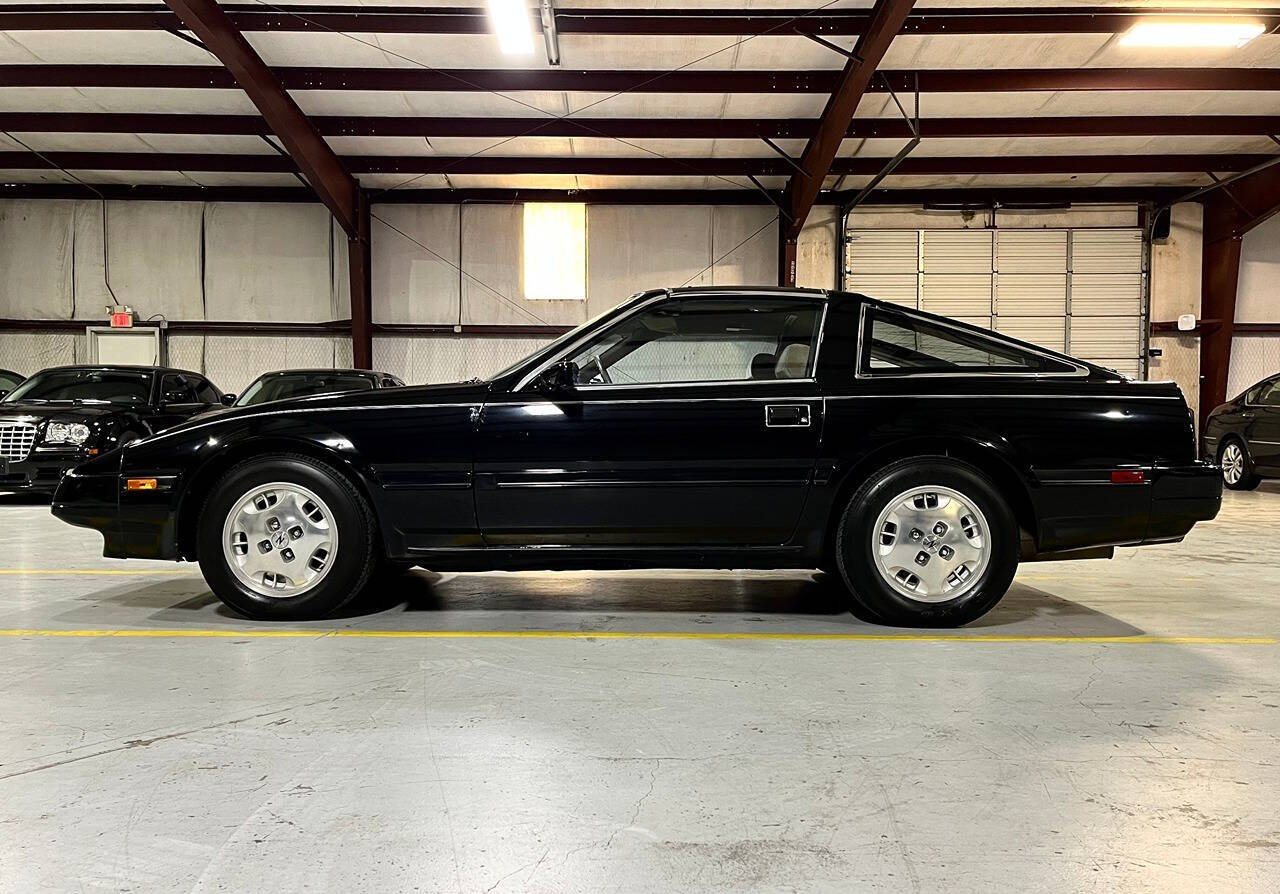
[(33, 411), (417, 395)]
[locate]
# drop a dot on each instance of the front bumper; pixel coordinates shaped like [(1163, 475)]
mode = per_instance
[(40, 472)]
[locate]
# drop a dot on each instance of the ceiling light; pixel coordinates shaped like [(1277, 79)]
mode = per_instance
[(512, 23), (1191, 33)]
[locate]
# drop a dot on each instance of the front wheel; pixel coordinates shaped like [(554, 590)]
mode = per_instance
[(286, 538), (928, 542)]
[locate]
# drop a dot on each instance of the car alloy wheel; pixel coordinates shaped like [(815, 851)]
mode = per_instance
[(931, 543), (280, 539), (1232, 463)]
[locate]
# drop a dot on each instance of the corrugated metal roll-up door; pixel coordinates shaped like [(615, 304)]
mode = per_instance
[(956, 274), (1031, 286), (884, 264), (1077, 291), (1106, 309)]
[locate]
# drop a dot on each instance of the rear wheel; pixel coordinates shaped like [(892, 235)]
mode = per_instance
[(1237, 467), (927, 543), (286, 538)]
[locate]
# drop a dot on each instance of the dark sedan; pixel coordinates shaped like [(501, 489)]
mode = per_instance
[(288, 383), (914, 458), (1243, 436), (62, 416), (9, 380)]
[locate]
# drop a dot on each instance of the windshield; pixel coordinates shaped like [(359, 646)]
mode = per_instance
[(551, 347), (98, 386), (301, 385)]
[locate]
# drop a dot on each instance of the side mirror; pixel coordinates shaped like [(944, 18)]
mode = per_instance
[(228, 400), (557, 379)]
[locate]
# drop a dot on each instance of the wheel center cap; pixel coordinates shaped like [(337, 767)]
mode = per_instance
[(930, 543), (280, 539)]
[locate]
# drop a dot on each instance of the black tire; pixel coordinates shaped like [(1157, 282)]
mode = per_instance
[(1249, 478), (352, 568), (858, 566)]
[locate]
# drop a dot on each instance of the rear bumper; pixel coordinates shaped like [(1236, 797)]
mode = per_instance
[(1180, 497), (1083, 510)]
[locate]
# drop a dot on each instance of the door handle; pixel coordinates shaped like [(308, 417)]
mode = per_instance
[(786, 416)]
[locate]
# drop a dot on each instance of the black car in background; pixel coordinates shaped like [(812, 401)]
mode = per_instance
[(915, 459), (288, 383), (8, 381), (1243, 436), (62, 416)]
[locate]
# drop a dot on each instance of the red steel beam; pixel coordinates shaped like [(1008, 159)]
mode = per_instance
[(639, 128), (1230, 212), (618, 21), (307, 149), (688, 81), (637, 166), (308, 152), (1034, 196)]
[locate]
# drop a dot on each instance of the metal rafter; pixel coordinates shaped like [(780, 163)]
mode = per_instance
[(642, 166), (655, 128), (693, 21), (646, 81)]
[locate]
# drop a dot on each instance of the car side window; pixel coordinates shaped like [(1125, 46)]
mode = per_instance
[(176, 389), (1268, 394), (705, 340), (206, 393), (897, 343)]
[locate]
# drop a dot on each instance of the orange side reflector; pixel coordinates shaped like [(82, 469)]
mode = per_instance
[(1127, 476), (140, 484)]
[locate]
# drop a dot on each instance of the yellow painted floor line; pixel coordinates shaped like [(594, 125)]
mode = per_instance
[(574, 634), (95, 571)]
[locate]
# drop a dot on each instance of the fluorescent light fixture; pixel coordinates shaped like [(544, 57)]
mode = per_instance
[(511, 22), (1191, 33), (555, 251)]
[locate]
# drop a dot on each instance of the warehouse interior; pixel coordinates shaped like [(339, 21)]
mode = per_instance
[(395, 185)]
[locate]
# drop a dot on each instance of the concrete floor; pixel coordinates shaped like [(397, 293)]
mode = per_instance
[(1024, 753)]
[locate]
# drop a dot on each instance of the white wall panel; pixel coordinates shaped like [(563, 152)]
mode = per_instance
[(492, 290), (154, 250), (1253, 357), (30, 352), (744, 245), (412, 284), (443, 358), (268, 262), (233, 361), (1257, 296), (187, 352), (631, 248), (35, 259)]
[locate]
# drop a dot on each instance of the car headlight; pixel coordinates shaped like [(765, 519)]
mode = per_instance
[(66, 433)]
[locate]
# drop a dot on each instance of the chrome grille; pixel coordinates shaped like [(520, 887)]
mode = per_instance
[(16, 440)]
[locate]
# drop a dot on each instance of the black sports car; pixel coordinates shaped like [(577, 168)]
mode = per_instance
[(914, 458), (287, 383), (1243, 436), (62, 416), (8, 381)]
